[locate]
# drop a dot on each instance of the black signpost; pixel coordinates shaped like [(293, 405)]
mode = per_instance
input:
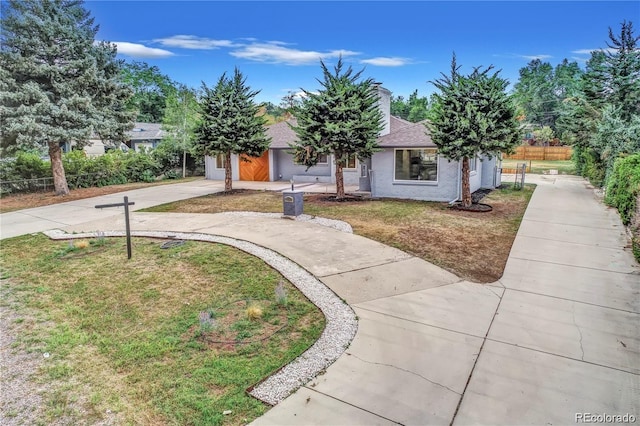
[(126, 205)]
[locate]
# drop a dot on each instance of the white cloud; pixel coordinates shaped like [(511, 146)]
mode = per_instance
[(589, 51), (277, 53), (386, 61), (136, 50), (532, 57), (193, 42)]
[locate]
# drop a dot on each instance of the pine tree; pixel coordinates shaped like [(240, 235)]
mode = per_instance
[(341, 119), (56, 85), (230, 123), (475, 116), (622, 68)]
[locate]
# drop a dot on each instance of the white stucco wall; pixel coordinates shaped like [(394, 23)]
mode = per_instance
[(488, 170), (384, 185), (213, 173)]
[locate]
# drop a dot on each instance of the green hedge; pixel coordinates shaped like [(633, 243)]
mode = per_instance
[(623, 191), (112, 168)]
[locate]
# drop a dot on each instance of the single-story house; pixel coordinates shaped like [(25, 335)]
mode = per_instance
[(142, 135), (407, 166)]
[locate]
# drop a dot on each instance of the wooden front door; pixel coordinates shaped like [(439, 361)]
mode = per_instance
[(256, 169)]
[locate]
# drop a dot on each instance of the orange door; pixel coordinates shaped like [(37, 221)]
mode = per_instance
[(256, 169)]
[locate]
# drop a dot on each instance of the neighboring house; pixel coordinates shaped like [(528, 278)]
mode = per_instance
[(142, 135), (407, 166), (145, 135)]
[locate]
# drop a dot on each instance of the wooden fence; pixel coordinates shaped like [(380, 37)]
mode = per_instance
[(541, 153)]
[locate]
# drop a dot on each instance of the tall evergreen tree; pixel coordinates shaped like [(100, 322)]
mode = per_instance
[(475, 116), (341, 119), (609, 97), (230, 123), (56, 86), (622, 70)]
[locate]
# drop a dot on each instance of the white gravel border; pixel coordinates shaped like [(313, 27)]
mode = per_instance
[(341, 322)]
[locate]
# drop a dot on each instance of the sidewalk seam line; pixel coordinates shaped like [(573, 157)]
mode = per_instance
[(572, 242), (475, 363), (575, 266), (417, 322), (405, 370), (575, 301), (562, 356), (352, 405), (368, 267)]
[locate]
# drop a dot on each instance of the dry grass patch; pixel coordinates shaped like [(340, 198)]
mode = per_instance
[(474, 246)]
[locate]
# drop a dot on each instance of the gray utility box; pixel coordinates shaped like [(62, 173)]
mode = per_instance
[(292, 203)]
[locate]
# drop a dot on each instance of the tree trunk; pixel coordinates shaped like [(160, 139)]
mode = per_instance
[(227, 171), (339, 181), (57, 169), (184, 164), (466, 188)]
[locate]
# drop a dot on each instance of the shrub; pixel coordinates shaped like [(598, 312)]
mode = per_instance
[(623, 191), (623, 187)]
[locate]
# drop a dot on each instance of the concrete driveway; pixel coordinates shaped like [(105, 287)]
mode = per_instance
[(555, 339)]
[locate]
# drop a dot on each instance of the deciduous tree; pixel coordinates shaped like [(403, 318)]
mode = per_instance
[(180, 121)]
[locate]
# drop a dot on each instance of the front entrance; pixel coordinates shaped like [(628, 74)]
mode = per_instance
[(257, 169)]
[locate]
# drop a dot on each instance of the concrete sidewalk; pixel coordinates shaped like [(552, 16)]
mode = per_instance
[(40, 219), (558, 335)]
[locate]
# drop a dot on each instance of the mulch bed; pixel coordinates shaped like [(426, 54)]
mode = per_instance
[(476, 205)]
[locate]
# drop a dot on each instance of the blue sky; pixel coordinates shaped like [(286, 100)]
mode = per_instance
[(404, 45)]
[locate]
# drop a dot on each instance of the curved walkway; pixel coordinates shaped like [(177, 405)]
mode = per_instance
[(556, 337)]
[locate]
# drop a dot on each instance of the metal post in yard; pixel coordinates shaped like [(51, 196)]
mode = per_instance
[(126, 205)]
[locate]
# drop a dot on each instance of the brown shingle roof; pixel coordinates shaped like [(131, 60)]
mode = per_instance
[(397, 123), (413, 134), (281, 134), (403, 134)]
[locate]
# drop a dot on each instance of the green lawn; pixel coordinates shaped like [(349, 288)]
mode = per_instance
[(128, 337), (564, 167)]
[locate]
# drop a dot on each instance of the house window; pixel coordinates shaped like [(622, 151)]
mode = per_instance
[(350, 161), (416, 164), (323, 159), (473, 163), (220, 161)]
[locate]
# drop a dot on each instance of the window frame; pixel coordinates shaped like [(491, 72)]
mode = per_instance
[(355, 162), (436, 160), (473, 170), (220, 158)]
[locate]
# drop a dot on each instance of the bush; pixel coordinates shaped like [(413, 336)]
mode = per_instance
[(623, 191), (589, 165), (623, 187)]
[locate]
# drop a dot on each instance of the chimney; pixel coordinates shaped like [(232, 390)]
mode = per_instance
[(384, 103)]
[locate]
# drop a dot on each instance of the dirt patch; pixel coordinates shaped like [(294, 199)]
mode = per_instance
[(324, 199), (238, 323), (475, 207)]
